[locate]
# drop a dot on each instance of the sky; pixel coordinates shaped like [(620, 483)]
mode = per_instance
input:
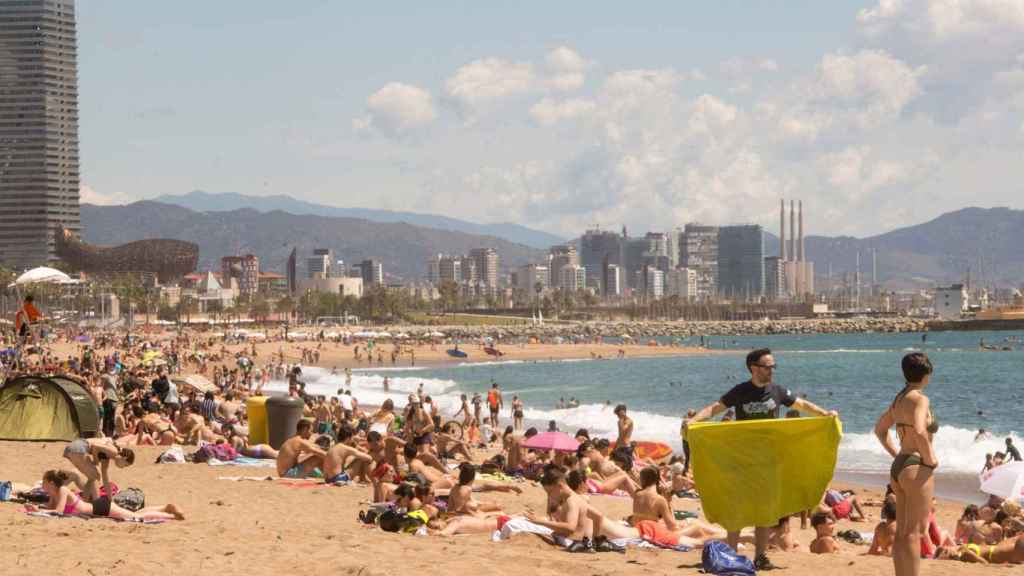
[(562, 116)]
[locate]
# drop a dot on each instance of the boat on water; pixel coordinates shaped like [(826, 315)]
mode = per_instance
[(456, 353)]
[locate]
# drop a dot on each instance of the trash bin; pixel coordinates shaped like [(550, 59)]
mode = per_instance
[(256, 408), (283, 413)]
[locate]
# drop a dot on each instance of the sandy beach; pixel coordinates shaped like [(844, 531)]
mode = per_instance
[(267, 527)]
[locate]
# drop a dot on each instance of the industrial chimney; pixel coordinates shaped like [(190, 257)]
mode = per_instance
[(800, 244), (782, 231), (792, 229)]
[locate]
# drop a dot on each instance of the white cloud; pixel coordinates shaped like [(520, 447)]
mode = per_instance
[(397, 109), (870, 79), (486, 81), (566, 69), (87, 195), (942, 20), (549, 111)]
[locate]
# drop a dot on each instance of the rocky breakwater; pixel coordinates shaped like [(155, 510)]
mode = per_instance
[(646, 330)]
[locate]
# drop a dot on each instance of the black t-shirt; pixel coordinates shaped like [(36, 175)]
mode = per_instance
[(1012, 451), (753, 403), (160, 387)]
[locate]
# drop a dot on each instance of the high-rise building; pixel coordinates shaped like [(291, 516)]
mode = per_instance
[(681, 282), (470, 273), (774, 278), (612, 281), (559, 257), (320, 264), (573, 278), (449, 269), (372, 273), (291, 272), (38, 129), (699, 252), (532, 276), (245, 270), (599, 249), (741, 262), (654, 284), (486, 260)]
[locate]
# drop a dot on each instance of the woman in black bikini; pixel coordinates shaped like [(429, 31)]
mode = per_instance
[(914, 464)]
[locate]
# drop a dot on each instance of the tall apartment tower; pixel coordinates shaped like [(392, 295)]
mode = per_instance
[(38, 128), (486, 265)]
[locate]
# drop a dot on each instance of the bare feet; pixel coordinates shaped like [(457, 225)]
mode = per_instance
[(172, 509)]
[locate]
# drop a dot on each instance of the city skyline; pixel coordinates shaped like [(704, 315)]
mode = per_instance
[(579, 118)]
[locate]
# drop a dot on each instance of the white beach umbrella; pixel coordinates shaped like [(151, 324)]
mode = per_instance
[(43, 275), (1005, 481)]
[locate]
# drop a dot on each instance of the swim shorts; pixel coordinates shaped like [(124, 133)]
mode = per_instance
[(77, 446), (841, 510)]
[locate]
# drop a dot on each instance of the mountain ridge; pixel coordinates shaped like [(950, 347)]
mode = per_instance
[(201, 201)]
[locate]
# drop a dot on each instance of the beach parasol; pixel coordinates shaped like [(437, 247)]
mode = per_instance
[(557, 441), (1005, 481), (42, 275)]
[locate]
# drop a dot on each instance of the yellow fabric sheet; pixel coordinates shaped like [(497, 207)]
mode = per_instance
[(752, 473)]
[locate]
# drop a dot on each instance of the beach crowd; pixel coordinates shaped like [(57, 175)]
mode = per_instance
[(430, 473)]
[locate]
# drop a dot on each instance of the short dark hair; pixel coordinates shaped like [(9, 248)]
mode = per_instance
[(602, 443), (373, 436), (409, 451), (29, 298), (467, 473), (553, 474), (574, 479), (649, 476), (1009, 440), (530, 433), (583, 432), (755, 356), (889, 510), (344, 433), (303, 425), (819, 518), (128, 454), (619, 408), (916, 366)]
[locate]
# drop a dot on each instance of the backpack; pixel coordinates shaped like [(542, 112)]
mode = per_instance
[(130, 499), (719, 558), (391, 521)]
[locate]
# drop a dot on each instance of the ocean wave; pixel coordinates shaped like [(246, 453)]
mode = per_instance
[(954, 447)]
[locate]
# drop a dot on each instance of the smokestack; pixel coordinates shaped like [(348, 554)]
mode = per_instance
[(782, 229), (792, 229), (800, 241)]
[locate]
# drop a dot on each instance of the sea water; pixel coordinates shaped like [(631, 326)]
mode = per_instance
[(857, 375)]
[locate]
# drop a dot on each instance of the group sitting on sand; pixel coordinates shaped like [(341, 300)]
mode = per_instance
[(441, 479)]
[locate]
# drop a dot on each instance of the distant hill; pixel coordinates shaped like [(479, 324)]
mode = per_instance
[(402, 248), (207, 202), (987, 241)]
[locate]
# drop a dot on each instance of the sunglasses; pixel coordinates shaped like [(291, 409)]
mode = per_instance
[(767, 366)]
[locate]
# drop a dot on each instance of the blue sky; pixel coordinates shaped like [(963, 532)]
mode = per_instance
[(562, 115)]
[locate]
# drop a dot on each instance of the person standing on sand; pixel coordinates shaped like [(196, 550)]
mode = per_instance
[(913, 467), (757, 399), (494, 403)]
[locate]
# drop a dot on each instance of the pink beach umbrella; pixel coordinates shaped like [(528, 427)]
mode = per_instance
[(558, 441)]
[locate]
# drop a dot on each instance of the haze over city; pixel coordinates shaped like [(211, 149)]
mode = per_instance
[(876, 114)]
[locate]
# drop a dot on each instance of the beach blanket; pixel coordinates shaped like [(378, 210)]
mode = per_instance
[(243, 461), (55, 514), (752, 473)]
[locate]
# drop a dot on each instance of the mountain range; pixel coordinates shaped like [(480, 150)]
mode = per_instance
[(225, 202), (984, 244), (402, 248)]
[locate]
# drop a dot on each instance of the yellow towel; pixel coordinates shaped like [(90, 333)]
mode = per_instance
[(752, 473)]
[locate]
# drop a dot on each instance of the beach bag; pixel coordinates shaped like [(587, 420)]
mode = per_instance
[(719, 558), (173, 455), (391, 521), (130, 499), (5, 491)]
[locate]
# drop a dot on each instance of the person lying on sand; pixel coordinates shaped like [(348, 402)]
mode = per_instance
[(241, 445), (154, 428), (55, 483), (446, 481), (298, 456), (1005, 552), (345, 461), (842, 506), (824, 542)]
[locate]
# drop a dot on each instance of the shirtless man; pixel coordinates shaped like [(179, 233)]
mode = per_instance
[(343, 456), (383, 449), (440, 481), (460, 499), (570, 517), (625, 426), (298, 457), (467, 417), (824, 543), (228, 410), (193, 428)]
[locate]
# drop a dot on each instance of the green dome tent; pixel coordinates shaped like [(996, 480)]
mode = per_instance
[(46, 408)]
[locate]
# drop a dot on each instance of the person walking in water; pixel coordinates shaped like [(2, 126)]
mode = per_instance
[(756, 399), (912, 473), (494, 403)]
